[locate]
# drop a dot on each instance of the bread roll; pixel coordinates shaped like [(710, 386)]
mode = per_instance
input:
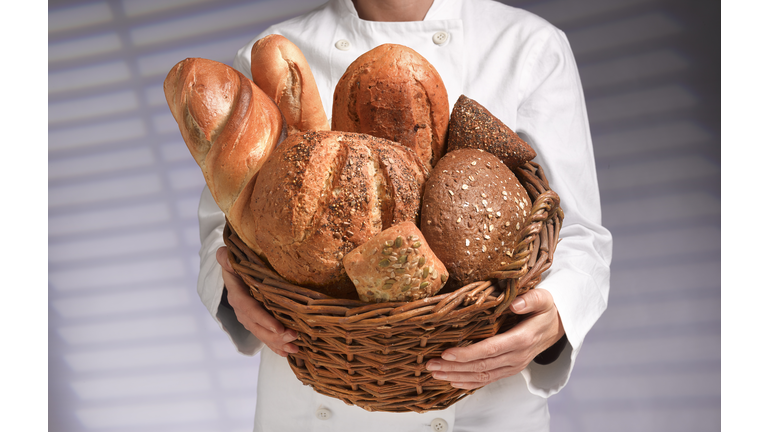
[(323, 193), (230, 127), (281, 71), (473, 210), (473, 126), (393, 92), (395, 265)]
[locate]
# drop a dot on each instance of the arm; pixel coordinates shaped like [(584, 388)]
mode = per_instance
[(573, 294), (248, 325)]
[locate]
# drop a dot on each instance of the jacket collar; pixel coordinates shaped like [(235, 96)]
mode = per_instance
[(440, 9)]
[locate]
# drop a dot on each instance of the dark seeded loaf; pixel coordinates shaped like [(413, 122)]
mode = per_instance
[(472, 212)]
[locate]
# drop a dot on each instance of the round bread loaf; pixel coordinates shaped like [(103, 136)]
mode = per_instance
[(323, 193), (473, 126), (395, 265), (393, 92), (472, 212)]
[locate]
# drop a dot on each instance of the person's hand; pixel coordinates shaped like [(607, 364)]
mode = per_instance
[(505, 354), (251, 314)]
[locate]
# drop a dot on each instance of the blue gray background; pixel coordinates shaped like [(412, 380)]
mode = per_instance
[(131, 348)]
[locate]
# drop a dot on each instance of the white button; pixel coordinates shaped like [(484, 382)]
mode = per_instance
[(439, 425), (323, 413), (343, 45), (440, 38)]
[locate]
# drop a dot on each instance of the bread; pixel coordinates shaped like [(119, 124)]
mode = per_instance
[(472, 212), (395, 265), (323, 193), (281, 71), (393, 92), (230, 127), (473, 126)]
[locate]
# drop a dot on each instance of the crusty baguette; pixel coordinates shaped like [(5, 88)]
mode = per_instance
[(393, 92), (280, 69), (230, 127)]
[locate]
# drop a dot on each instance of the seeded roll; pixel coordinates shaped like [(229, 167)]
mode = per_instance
[(395, 265), (473, 126), (473, 210)]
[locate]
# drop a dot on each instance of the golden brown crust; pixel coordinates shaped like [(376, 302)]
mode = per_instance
[(395, 265), (473, 126), (393, 92), (323, 193), (230, 128), (280, 69), (473, 210)]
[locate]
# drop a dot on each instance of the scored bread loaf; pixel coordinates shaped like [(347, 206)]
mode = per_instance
[(393, 92), (323, 193), (473, 126), (395, 265), (472, 213), (230, 128), (280, 69)]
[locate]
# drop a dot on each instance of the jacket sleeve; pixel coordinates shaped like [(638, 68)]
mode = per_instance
[(210, 284), (552, 117)]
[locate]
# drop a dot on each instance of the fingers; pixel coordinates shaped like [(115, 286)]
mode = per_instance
[(221, 257), (504, 354), (473, 380), (251, 314), (479, 364), (535, 300)]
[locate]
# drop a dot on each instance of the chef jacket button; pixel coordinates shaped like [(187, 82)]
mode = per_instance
[(439, 425), (343, 45), (440, 38), (323, 413)]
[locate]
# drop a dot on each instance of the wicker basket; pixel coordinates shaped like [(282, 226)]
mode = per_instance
[(374, 355)]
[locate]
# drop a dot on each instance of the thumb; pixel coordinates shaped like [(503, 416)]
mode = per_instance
[(221, 257), (532, 301)]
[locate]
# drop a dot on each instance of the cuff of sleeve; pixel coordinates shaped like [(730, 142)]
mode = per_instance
[(579, 304), (548, 380)]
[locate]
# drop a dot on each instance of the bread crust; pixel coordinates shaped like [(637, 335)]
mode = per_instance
[(323, 193), (393, 92), (230, 128), (280, 69), (473, 126), (472, 213), (395, 265)]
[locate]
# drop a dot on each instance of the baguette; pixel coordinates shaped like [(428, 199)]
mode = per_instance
[(230, 127), (280, 69)]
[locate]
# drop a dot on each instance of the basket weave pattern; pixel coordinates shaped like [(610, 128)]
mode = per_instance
[(373, 355)]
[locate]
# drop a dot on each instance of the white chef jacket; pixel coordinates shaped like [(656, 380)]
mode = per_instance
[(522, 70)]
